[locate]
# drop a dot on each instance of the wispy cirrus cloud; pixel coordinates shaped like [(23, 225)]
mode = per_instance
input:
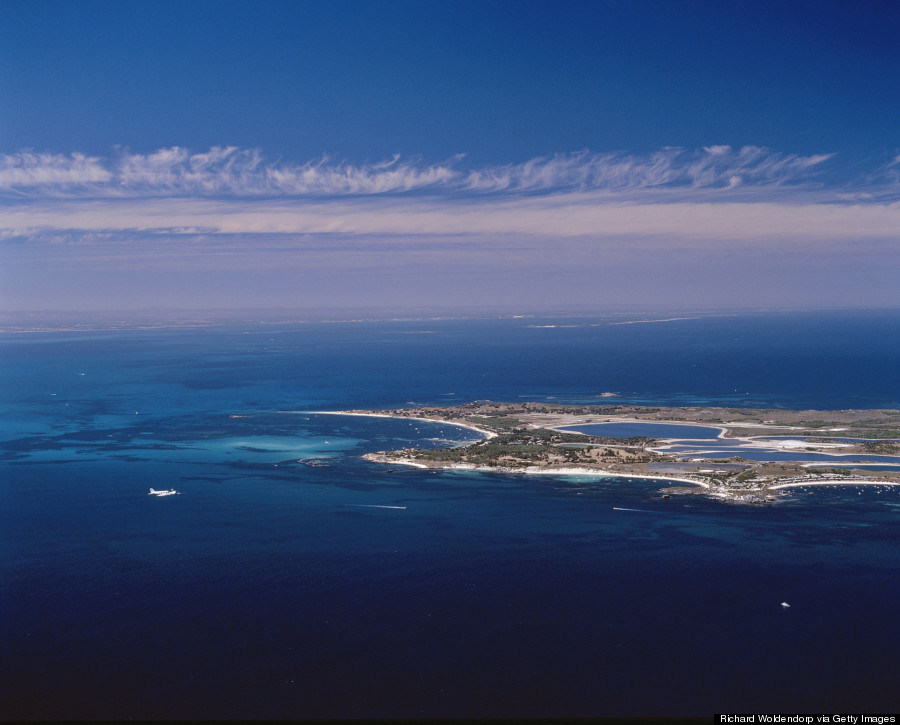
[(230, 171), (708, 168), (27, 170), (579, 210), (745, 224), (220, 171)]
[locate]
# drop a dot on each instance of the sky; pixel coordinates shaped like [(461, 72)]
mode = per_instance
[(450, 155)]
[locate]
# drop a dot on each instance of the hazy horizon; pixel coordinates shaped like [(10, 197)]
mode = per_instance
[(162, 317)]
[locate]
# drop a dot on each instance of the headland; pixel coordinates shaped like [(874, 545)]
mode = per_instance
[(535, 438)]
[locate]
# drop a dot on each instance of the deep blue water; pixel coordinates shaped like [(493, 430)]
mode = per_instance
[(274, 589)]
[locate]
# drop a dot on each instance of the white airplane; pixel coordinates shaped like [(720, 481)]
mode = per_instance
[(170, 492)]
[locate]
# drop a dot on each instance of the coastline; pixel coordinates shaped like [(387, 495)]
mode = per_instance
[(529, 470), (837, 482), (486, 433), (745, 496)]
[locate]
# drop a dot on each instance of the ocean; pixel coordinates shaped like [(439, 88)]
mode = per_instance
[(270, 588)]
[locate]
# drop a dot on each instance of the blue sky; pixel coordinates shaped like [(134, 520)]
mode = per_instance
[(425, 154)]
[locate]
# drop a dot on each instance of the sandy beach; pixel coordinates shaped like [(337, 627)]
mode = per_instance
[(839, 482), (486, 433), (533, 470)]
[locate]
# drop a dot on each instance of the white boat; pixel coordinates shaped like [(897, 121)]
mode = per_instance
[(785, 605), (170, 492)]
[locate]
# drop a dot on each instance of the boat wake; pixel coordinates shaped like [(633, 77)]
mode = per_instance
[(376, 506)]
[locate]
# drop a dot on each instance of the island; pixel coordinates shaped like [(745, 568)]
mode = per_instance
[(535, 438)]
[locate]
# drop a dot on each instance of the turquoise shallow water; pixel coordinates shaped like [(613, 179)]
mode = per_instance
[(272, 588)]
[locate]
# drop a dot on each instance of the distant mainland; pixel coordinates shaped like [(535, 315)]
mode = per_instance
[(534, 438)]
